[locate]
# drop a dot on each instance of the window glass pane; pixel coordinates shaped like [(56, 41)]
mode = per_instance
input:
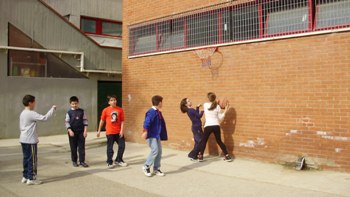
[(331, 13), (177, 33), (88, 25), (245, 22), (143, 39), (38, 64), (202, 29), (287, 16), (226, 27), (27, 64), (114, 29), (164, 35)]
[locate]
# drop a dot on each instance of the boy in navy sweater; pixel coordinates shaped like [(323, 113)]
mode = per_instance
[(154, 130), (76, 125)]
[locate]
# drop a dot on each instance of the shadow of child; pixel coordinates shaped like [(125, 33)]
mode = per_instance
[(228, 126)]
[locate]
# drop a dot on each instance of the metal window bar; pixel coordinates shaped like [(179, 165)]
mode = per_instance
[(237, 21), (332, 14)]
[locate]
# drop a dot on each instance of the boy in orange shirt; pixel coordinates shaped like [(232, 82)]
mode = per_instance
[(113, 116)]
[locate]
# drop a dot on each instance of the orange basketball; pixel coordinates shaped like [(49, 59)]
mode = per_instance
[(222, 103)]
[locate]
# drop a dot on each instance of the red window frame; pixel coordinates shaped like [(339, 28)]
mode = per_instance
[(285, 33), (339, 26), (99, 22)]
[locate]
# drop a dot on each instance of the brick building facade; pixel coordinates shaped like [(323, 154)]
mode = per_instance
[(289, 96)]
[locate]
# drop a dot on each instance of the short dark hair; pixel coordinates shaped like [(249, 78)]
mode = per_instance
[(73, 99), (156, 100), (183, 105), (111, 96), (28, 99)]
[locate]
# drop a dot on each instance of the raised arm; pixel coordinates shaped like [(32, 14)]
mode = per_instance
[(222, 114), (39, 117)]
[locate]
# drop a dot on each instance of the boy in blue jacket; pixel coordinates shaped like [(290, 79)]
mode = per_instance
[(154, 130)]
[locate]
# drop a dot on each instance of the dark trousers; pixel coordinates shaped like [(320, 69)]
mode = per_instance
[(216, 130), (197, 136), (30, 161), (121, 148), (77, 143)]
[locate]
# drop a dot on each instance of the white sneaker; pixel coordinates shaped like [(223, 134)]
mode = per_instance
[(159, 172), (122, 164), (34, 182), (110, 166), (147, 171), (24, 180)]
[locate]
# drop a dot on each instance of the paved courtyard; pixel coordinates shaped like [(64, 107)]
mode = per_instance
[(212, 177)]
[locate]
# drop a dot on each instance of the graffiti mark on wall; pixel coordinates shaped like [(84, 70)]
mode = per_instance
[(259, 142)]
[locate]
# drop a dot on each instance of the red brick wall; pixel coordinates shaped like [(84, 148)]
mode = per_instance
[(289, 97)]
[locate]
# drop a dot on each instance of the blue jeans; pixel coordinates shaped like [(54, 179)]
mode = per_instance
[(30, 160), (156, 153)]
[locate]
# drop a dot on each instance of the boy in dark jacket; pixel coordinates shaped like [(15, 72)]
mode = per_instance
[(154, 130), (76, 125)]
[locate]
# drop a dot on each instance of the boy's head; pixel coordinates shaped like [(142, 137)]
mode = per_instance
[(112, 100), (29, 101), (157, 101), (74, 102)]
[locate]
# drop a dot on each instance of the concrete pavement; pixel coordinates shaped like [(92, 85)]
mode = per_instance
[(212, 177)]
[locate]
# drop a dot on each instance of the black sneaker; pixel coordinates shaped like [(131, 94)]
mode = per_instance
[(84, 164), (227, 158), (110, 166), (159, 172), (75, 164)]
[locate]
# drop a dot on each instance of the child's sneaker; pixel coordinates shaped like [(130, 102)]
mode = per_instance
[(200, 158), (158, 172), (24, 180), (110, 166), (193, 159), (34, 182), (84, 164), (147, 171), (75, 164), (122, 164), (227, 158)]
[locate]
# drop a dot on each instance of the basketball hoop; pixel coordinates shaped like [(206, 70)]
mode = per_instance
[(205, 55)]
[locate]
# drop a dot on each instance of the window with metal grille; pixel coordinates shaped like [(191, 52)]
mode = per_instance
[(202, 29), (245, 22), (232, 22), (286, 17), (143, 39), (332, 13)]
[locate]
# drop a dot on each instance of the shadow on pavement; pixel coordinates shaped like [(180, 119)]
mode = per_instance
[(194, 165)]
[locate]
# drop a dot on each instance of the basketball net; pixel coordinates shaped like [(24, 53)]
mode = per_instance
[(205, 55)]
